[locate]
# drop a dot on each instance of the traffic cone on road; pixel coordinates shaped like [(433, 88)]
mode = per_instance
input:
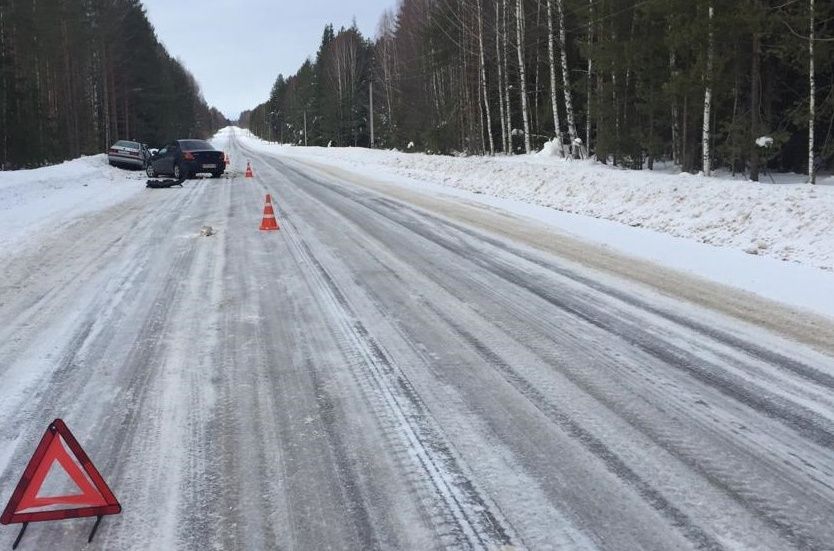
[(249, 171), (269, 222)]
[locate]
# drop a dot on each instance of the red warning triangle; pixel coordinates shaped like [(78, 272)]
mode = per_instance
[(94, 499)]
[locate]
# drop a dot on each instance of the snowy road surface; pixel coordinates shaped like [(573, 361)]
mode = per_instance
[(381, 376)]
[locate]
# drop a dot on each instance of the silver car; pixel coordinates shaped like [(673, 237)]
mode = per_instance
[(127, 153)]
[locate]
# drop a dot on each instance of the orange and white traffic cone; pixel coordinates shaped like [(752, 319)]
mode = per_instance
[(249, 173), (269, 222)]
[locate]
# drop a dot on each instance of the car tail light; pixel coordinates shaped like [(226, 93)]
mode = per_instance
[(113, 150), (188, 156)]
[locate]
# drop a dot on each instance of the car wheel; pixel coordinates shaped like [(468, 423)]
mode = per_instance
[(180, 173), (216, 174), (150, 171)]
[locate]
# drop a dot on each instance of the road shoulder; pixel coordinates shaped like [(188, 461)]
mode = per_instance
[(793, 323)]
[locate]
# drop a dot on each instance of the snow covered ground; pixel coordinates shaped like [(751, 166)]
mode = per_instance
[(45, 199), (776, 241), (789, 221), (391, 371)]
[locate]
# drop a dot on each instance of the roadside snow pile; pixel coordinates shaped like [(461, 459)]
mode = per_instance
[(789, 221), (45, 198), (552, 149), (764, 141)]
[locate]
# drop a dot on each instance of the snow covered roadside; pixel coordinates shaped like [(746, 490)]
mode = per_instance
[(43, 199), (789, 221), (798, 283)]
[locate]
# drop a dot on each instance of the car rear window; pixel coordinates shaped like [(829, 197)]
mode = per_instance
[(195, 145), (132, 145)]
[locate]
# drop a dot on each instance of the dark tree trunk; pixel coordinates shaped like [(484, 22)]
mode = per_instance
[(755, 106)]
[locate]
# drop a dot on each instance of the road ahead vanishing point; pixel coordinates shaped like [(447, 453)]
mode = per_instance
[(392, 370)]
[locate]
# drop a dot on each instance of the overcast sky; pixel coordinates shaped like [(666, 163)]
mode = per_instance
[(235, 49)]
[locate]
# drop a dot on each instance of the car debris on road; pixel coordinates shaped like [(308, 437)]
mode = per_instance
[(161, 184)]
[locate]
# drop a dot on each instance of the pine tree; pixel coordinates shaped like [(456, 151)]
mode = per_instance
[(439, 67)]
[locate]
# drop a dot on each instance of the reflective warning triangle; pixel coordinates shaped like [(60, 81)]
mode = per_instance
[(95, 498)]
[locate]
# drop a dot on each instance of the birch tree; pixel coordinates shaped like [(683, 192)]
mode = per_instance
[(500, 70), (705, 141), (525, 113), (566, 79), (387, 66), (812, 173), (484, 89), (554, 103), (505, 58), (675, 124), (589, 83), (652, 75)]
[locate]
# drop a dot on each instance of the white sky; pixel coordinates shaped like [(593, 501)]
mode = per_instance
[(235, 49)]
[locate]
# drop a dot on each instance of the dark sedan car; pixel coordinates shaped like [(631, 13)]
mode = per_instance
[(185, 158)]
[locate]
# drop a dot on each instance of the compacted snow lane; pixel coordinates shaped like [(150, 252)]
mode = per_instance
[(378, 376)]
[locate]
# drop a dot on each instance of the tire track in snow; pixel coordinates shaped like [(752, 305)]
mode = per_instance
[(774, 516), (695, 534), (473, 522), (123, 435), (791, 365), (678, 519), (78, 339), (806, 422)]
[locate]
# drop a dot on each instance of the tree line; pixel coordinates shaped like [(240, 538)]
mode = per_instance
[(743, 85), (78, 75)]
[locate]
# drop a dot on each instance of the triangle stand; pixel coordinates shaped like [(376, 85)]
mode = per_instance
[(26, 505), (25, 524), (20, 535), (95, 529)]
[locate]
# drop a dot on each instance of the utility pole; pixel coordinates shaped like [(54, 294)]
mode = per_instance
[(305, 128), (372, 114)]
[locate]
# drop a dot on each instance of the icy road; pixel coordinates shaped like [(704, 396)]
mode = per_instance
[(400, 371)]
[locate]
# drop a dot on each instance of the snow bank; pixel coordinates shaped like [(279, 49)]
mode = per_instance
[(764, 141), (552, 149), (45, 198), (789, 221)]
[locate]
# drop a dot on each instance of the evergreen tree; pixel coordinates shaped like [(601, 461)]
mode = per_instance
[(77, 75), (635, 75)]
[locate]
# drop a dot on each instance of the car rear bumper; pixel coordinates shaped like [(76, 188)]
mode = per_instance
[(205, 167)]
